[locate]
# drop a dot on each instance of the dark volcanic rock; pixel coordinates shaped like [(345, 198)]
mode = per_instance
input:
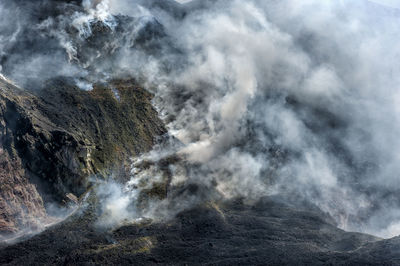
[(225, 233), (52, 142)]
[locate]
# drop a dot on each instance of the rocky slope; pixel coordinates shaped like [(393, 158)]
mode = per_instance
[(268, 232), (51, 143)]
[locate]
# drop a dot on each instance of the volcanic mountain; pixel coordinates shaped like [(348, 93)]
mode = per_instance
[(211, 132)]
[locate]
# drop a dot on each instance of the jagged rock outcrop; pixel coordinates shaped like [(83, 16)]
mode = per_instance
[(52, 141)]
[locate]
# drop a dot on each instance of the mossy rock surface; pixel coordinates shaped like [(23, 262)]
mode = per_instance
[(57, 138)]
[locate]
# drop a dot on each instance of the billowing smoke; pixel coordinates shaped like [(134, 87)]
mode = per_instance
[(291, 98)]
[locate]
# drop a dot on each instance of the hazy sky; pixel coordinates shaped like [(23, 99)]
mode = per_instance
[(183, 1), (391, 3)]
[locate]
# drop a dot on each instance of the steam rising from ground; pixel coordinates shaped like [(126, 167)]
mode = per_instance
[(296, 98)]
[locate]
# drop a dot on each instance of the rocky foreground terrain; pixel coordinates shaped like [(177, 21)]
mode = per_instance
[(46, 140), (230, 233)]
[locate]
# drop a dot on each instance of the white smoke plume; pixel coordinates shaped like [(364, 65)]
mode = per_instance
[(287, 97)]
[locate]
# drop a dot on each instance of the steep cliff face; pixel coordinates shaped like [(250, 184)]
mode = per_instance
[(21, 206), (20, 202), (52, 141)]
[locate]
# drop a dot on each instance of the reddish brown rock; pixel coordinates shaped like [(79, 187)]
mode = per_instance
[(21, 206)]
